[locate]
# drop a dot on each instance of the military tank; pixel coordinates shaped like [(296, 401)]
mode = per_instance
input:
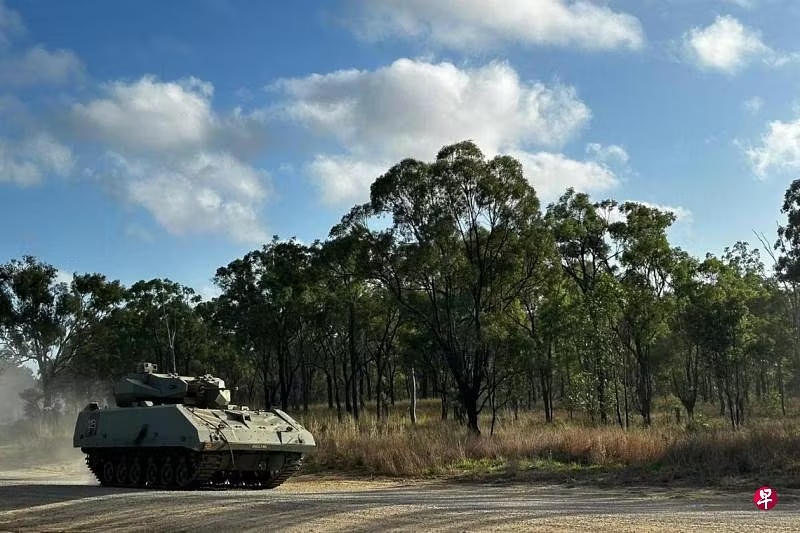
[(176, 432)]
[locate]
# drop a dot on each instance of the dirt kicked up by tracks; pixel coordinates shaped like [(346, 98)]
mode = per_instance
[(67, 498)]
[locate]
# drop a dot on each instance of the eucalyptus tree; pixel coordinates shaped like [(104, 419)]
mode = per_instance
[(684, 341), (723, 322), (49, 323), (163, 312), (344, 265), (787, 266), (382, 321), (646, 264), (449, 255), (262, 302), (543, 316), (581, 233), (222, 356)]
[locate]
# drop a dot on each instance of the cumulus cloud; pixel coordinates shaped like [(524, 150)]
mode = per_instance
[(412, 105), (168, 150), (728, 46), (39, 66), (610, 153), (412, 108), (779, 149), (36, 65), (26, 162), (151, 116), (172, 154), (476, 24), (552, 173), (343, 178), (200, 193)]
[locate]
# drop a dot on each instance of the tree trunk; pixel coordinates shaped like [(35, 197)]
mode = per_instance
[(546, 382), (282, 371), (781, 386), (645, 386), (308, 377), (379, 401), (336, 393), (329, 383), (469, 400), (413, 391), (347, 379), (351, 326)]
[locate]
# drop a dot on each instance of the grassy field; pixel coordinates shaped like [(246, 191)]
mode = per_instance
[(525, 448), (522, 448)]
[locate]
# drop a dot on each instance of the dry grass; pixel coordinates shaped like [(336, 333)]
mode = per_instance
[(526, 447)]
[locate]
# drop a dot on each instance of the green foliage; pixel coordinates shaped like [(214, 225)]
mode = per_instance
[(47, 323)]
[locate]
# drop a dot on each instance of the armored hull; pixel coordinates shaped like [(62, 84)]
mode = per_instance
[(180, 446)]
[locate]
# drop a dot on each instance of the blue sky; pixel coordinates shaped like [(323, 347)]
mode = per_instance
[(165, 139)]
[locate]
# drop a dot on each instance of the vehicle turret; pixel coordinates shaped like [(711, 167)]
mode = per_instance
[(146, 388)]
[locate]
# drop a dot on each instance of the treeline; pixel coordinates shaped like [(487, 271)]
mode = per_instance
[(452, 282)]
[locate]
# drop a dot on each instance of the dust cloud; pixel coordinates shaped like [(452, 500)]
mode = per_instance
[(13, 380), (42, 440)]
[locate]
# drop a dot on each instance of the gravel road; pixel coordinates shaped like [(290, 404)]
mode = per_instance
[(66, 499)]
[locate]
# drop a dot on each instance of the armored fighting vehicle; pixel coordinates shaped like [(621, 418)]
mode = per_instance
[(176, 432)]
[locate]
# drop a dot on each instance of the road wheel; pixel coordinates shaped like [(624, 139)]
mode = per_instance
[(184, 473), (167, 473), (151, 473), (135, 473), (121, 472), (108, 473)]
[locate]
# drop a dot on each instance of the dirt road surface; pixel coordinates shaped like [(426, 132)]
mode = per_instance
[(67, 499)]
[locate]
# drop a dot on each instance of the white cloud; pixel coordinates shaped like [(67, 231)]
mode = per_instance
[(343, 178), (728, 46), (151, 116), (476, 24), (779, 150), (753, 105), (610, 153), (552, 173), (36, 65), (26, 162), (15, 169), (196, 194), (10, 24), (40, 66), (412, 105), (49, 154), (173, 155), (412, 108)]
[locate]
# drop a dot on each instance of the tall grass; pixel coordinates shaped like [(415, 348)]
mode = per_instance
[(524, 444)]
